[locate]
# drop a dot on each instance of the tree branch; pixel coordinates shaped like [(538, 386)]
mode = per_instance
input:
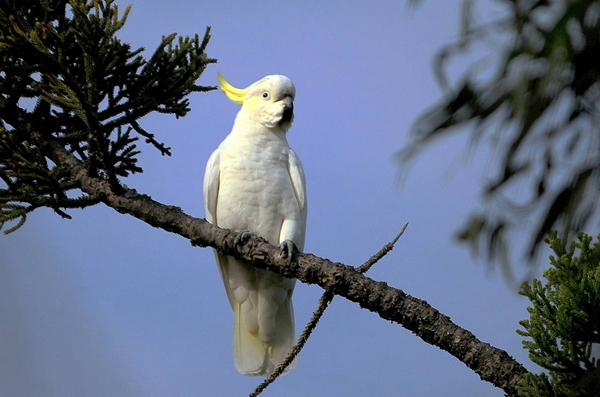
[(490, 363)]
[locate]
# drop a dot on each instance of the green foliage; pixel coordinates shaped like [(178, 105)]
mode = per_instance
[(66, 78), (564, 322), (535, 99)]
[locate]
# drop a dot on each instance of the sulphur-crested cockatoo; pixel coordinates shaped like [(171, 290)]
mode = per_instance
[(254, 182)]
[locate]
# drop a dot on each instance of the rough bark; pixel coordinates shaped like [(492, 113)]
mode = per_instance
[(491, 364)]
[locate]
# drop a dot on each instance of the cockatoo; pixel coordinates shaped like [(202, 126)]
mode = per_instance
[(254, 182)]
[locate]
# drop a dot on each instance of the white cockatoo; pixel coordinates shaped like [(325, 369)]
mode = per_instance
[(254, 182)]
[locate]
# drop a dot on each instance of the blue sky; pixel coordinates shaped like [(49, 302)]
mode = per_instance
[(104, 305)]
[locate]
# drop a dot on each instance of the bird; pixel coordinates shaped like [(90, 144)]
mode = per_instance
[(254, 183)]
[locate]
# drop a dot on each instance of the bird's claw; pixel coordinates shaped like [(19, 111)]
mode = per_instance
[(286, 250), (242, 237)]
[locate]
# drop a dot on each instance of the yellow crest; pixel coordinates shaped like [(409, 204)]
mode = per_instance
[(237, 95)]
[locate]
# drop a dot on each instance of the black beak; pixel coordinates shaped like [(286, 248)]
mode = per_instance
[(288, 114)]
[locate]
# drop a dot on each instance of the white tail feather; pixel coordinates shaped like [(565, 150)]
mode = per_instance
[(254, 357)]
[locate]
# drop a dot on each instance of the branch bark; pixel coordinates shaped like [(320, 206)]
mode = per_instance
[(491, 364)]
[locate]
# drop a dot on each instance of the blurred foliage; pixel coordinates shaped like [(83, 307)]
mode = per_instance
[(538, 106), (66, 78), (564, 322)]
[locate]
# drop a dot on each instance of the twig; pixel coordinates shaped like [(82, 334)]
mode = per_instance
[(324, 302), (382, 252)]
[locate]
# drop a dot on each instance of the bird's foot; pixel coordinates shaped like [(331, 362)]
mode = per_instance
[(242, 237), (286, 250)]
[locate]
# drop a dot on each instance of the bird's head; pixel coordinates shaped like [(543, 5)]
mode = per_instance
[(269, 101)]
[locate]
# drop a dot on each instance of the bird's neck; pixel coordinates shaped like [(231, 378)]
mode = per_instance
[(250, 128)]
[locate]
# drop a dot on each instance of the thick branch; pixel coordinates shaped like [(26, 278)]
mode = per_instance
[(491, 364)]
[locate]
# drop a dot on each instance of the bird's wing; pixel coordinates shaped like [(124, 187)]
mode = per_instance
[(299, 184), (211, 197), (211, 187), (249, 350)]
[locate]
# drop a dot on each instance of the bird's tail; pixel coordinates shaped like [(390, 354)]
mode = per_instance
[(252, 356)]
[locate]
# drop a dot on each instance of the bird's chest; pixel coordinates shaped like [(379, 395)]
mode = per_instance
[(253, 168), (255, 190)]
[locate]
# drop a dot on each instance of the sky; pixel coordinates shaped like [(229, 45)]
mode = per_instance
[(105, 305)]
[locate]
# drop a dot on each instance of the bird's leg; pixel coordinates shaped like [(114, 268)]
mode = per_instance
[(286, 250)]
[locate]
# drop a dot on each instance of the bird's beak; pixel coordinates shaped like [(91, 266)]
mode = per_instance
[(288, 113), (237, 95)]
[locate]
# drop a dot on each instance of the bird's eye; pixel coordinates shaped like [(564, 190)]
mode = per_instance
[(265, 95)]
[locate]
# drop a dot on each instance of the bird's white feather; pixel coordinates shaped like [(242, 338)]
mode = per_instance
[(255, 182)]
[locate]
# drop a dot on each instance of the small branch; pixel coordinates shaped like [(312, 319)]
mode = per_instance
[(324, 302), (150, 139), (365, 267)]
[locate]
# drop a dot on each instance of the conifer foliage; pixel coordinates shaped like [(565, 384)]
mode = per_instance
[(564, 322), (534, 97), (66, 79)]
